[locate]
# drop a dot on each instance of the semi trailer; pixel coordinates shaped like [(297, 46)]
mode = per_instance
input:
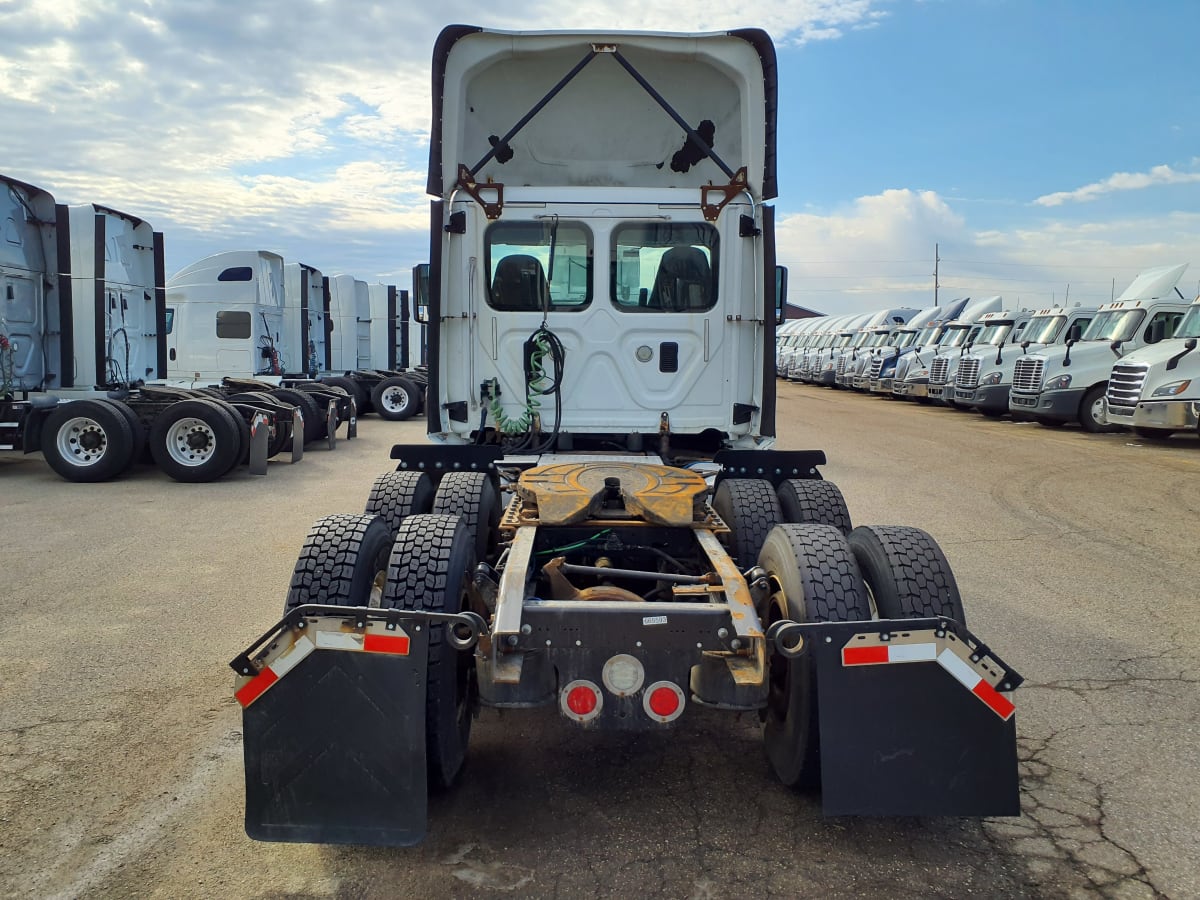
[(601, 523), (1065, 384), (83, 338)]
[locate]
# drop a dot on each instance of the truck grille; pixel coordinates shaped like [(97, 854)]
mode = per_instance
[(841, 364), (939, 370), (968, 373), (876, 367), (1125, 384), (1027, 375)]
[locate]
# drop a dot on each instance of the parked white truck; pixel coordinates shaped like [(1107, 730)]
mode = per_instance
[(83, 334), (985, 374), (1000, 332), (1067, 384), (1156, 390), (938, 382), (920, 332), (854, 367), (602, 324)]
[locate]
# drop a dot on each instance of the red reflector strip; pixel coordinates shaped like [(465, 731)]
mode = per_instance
[(386, 643), (253, 689), (888, 653), (864, 656), (997, 702)]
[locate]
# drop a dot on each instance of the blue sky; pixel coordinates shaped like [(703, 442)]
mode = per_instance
[(1039, 144)]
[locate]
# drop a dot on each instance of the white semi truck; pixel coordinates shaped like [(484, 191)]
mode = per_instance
[(602, 321), (920, 332), (997, 331), (937, 382), (362, 346), (84, 329), (1156, 390), (1067, 384), (985, 374)]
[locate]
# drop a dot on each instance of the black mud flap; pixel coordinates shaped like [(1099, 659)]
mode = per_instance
[(915, 719), (333, 725)]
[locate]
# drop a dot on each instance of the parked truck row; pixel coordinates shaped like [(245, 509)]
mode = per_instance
[(105, 363), (1129, 363)]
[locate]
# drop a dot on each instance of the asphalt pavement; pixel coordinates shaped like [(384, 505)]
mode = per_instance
[(120, 745)]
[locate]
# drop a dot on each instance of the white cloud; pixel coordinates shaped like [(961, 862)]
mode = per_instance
[(1119, 181), (276, 117)]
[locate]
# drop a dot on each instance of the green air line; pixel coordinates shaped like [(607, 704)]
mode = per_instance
[(508, 426), (576, 545)]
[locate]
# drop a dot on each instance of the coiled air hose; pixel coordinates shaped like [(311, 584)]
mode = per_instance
[(541, 344)]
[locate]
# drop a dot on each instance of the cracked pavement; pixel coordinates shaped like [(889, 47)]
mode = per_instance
[(120, 754)]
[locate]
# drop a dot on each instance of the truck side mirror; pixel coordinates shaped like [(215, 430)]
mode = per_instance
[(1158, 328), (781, 274), (1074, 333), (420, 292)]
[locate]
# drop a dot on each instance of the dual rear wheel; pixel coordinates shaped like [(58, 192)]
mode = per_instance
[(818, 573), (399, 556)]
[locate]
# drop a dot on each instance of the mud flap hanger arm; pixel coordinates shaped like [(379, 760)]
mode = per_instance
[(463, 629), (493, 209)]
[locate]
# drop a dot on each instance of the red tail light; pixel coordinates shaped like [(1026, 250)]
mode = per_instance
[(581, 701), (663, 701)]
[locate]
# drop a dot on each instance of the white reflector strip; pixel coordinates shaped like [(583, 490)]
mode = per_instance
[(290, 657), (912, 653), (965, 675), (339, 640)]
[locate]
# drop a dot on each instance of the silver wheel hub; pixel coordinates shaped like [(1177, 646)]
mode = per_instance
[(191, 442), (82, 441), (394, 399)]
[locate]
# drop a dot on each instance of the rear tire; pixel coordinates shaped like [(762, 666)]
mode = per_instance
[(750, 508), (343, 562), (397, 495), (395, 399), (314, 418), (429, 570), (813, 502), (907, 573), (136, 429), (472, 496), (195, 440), (355, 388), (814, 578), (87, 441)]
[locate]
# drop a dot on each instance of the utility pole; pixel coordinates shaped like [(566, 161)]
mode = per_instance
[(936, 260)]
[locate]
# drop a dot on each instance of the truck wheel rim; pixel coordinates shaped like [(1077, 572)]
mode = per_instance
[(1097, 409), (82, 442), (394, 399), (191, 442)]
